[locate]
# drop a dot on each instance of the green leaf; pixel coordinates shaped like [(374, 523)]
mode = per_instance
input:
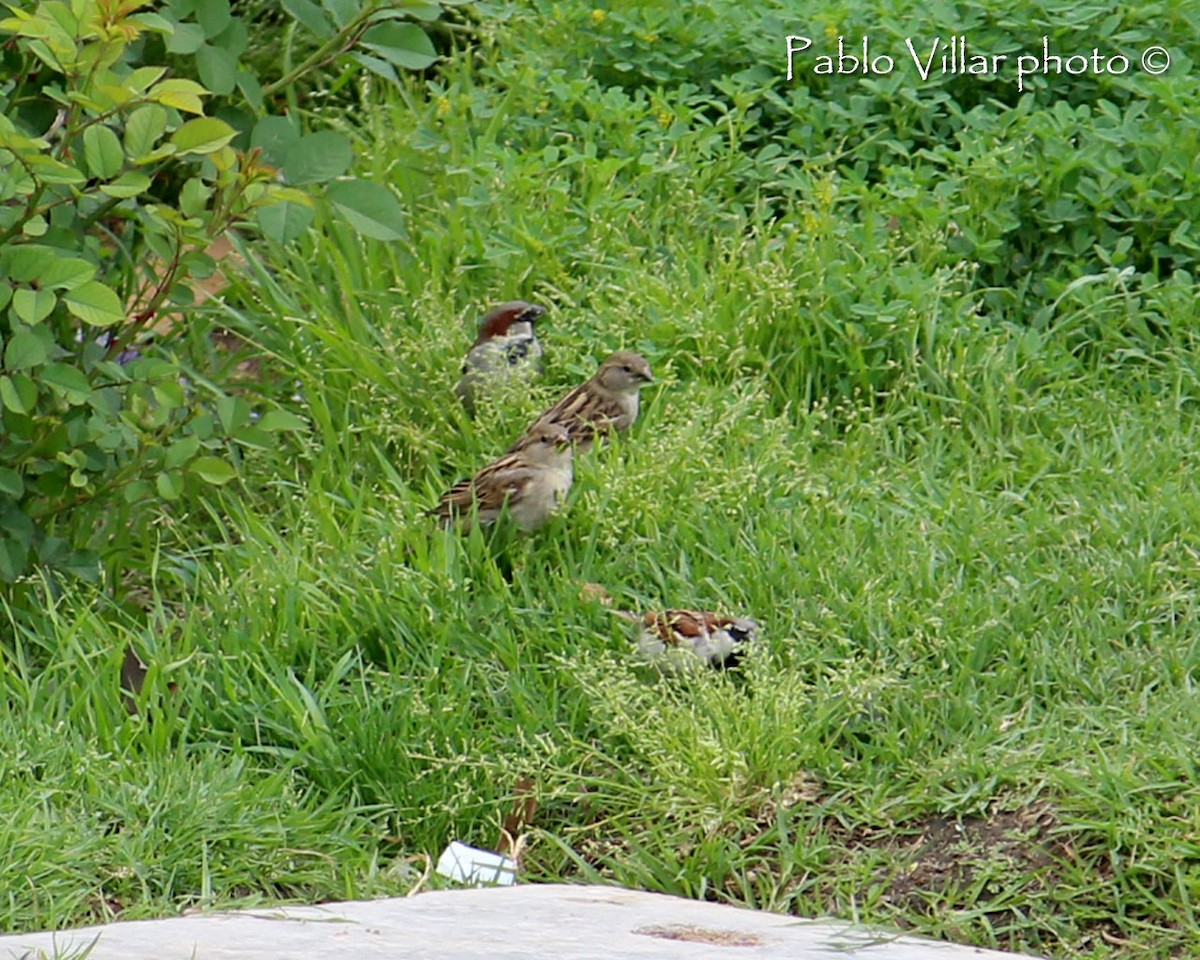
[(27, 262), (196, 263), (143, 129), (213, 16), (128, 184), (283, 222), (11, 483), (217, 68), (170, 485), (203, 425), (404, 44), (342, 11), (49, 170), (236, 37), (318, 157), (67, 273), (212, 470), (193, 198), (181, 451), (18, 393), (102, 151), (381, 68), (33, 306), (136, 492), (251, 90), (411, 10), (84, 564), (369, 207), (108, 96), (252, 436), (276, 192), (187, 38), (276, 421), (160, 152), (274, 136), (311, 16), (13, 559), (179, 93), (153, 22), (142, 77), (75, 458), (52, 550), (24, 350), (233, 412), (169, 395), (35, 226), (95, 304), (17, 525), (203, 135), (67, 381)]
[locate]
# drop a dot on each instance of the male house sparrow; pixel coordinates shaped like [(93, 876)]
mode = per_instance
[(507, 344), (532, 479), (676, 641), (679, 640), (606, 402)]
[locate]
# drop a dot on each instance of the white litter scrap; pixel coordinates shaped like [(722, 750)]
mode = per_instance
[(479, 868)]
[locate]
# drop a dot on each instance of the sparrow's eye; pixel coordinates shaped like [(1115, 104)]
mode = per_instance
[(627, 368)]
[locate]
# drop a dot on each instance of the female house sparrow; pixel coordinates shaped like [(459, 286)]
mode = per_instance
[(606, 402), (676, 641), (507, 344), (532, 479)]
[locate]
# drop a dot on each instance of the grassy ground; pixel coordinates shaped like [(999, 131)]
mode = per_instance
[(963, 512)]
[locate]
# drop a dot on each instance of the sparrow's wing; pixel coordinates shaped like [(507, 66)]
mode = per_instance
[(505, 479), (674, 626), (583, 413), (504, 483), (456, 500)]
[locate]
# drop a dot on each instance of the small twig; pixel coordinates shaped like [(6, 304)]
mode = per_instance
[(330, 50), (428, 861)]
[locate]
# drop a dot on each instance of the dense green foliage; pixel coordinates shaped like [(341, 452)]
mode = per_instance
[(114, 183), (929, 364)]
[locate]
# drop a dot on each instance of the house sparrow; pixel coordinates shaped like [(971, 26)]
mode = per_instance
[(532, 479), (676, 641), (606, 402), (507, 344)]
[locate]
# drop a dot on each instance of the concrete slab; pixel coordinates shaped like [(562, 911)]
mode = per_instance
[(556, 922)]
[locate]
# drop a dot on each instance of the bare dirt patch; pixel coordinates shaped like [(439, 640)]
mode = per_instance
[(948, 857), (720, 938)]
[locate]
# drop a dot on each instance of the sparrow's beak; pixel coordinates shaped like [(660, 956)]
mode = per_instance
[(647, 377), (532, 315)]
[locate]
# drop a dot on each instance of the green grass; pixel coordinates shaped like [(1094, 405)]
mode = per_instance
[(965, 519)]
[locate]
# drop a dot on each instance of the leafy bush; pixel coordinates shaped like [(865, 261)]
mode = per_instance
[(115, 179), (1032, 188)]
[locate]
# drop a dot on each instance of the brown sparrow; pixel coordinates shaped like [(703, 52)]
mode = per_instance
[(676, 641), (606, 402), (507, 345), (531, 480)]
